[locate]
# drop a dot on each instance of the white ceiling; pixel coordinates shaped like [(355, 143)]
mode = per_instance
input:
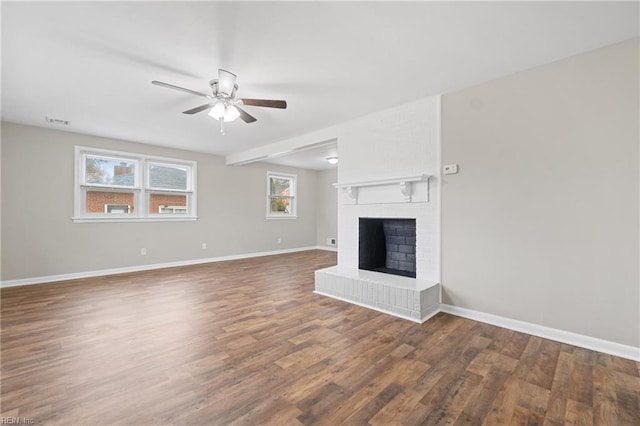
[(92, 63)]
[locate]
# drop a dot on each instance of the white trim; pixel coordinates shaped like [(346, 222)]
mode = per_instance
[(138, 268), (404, 185), (380, 182), (587, 342), (327, 248), (438, 229), (123, 218)]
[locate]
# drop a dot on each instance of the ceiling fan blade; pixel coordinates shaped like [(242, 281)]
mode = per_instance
[(245, 116), (265, 103), (182, 89), (226, 82), (198, 109)]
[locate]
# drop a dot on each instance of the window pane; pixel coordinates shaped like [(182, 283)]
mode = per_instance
[(105, 171), (281, 197), (281, 205), (167, 204), (109, 202), (279, 186), (167, 177)]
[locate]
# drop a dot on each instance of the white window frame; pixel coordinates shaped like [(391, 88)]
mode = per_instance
[(189, 191), (293, 188), (141, 190)]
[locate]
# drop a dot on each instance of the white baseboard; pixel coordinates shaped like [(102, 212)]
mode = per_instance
[(327, 248), (139, 268), (605, 346)]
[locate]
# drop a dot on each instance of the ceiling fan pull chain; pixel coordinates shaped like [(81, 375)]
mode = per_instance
[(222, 125)]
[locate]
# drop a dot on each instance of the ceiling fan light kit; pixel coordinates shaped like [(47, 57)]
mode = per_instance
[(226, 112), (226, 105)]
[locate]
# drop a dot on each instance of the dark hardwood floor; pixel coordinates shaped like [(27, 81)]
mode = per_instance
[(247, 342)]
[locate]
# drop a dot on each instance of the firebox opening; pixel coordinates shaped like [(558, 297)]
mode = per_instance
[(388, 245)]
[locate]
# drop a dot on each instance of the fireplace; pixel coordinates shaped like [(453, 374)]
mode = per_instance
[(387, 245), (389, 169)]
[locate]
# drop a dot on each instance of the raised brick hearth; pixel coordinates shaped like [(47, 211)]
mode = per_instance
[(409, 298)]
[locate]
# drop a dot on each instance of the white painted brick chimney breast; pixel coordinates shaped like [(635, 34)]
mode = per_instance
[(398, 142)]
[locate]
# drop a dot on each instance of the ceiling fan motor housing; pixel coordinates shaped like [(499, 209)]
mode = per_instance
[(215, 88)]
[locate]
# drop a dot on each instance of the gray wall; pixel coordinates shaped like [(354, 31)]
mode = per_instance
[(39, 238), (542, 223), (327, 206)]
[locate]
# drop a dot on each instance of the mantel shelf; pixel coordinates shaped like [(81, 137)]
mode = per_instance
[(404, 185), (418, 178)]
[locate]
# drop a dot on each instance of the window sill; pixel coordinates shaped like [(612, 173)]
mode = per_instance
[(133, 219), (281, 217)]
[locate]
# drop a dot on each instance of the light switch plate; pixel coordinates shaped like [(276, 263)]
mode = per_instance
[(450, 169)]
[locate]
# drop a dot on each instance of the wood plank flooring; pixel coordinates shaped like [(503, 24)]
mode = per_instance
[(247, 342)]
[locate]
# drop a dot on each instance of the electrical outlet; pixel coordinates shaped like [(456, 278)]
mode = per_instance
[(279, 240), (204, 246), (331, 241), (143, 251)]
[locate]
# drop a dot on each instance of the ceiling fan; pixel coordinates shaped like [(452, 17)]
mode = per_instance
[(225, 106)]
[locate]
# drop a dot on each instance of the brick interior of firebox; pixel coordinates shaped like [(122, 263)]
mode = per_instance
[(388, 245)]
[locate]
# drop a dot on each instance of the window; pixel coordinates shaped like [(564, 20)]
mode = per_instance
[(119, 186), (168, 186), (281, 195)]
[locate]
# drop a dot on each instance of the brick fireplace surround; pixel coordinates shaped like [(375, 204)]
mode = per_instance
[(407, 200), (389, 168), (415, 299)]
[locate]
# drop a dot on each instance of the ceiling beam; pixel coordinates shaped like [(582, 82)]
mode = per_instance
[(303, 142)]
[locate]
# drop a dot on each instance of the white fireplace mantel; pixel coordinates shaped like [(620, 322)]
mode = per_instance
[(404, 185)]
